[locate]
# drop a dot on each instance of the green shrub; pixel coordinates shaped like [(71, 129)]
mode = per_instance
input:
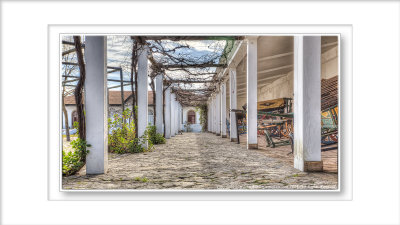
[(73, 161), (122, 138), (154, 137), (76, 126)]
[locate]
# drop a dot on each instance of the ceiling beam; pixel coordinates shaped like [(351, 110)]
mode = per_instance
[(264, 79), (329, 44), (275, 56), (275, 69)]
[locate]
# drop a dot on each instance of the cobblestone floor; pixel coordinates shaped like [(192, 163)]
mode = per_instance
[(200, 161)]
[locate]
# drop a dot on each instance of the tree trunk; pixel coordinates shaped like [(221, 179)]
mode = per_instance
[(134, 83), (79, 88), (65, 120)]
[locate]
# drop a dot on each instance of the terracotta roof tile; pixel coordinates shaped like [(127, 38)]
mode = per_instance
[(114, 98)]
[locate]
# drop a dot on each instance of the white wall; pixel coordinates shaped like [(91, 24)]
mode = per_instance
[(195, 127), (283, 87), (70, 109), (111, 111), (329, 63)]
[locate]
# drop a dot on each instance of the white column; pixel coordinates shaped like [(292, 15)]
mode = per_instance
[(212, 114), (307, 103), (173, 115), (223, 110), (159, 103), (233, 104), (167, 113), (208, 115), (218, 114), (214, 121), (96, 104), (252, 93), (142, 92), (178, 117)]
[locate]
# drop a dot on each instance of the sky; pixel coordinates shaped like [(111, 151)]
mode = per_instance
[(119, 55)]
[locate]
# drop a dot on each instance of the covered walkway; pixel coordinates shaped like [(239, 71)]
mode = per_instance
[(200, 161)]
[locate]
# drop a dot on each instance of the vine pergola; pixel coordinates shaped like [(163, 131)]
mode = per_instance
[(191, 74)]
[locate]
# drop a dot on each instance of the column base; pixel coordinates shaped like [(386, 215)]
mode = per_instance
[(218, 134), (223, 136), (252, 146), (233, 139), (313, 166)]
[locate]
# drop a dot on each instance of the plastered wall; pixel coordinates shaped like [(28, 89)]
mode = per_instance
[(283, 87)]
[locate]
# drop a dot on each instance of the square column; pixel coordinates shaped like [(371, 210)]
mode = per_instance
[(307, 103), (252, 93), (96, 111), (223, 110), (218, 113), (159, 104), (179, 116), (167, 113), (212, 114), (233, 104), (142, 92), (173, 115), (208, 116)]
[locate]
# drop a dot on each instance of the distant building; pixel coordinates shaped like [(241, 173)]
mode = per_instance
[(114, 102)]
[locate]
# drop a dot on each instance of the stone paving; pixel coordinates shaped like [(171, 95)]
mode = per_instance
[(200, 161)]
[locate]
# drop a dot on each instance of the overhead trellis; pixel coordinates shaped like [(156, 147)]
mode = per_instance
[(192, 73), (190, 64)]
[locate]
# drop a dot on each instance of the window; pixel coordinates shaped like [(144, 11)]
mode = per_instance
[(151, 117), (191, 117), (74, 117)]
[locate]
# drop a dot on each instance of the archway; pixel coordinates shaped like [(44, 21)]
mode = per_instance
[(74, 116), (191, 117)]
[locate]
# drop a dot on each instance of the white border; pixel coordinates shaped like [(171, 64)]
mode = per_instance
[(345, 96), (376, 163)]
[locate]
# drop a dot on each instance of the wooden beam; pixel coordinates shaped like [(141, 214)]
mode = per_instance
[(275, 56), (75, 64), (113, 80), (189, 81), (72, 49), (329, 44), (167, 66), (193, 38), (117, 86), (267, 78), (275, 69)]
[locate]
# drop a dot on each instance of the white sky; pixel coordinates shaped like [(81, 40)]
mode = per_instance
[(119, 55)]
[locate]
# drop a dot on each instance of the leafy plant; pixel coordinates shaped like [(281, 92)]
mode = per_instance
[(73, 161), (122, 138), (154, 137), (76, 126)]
